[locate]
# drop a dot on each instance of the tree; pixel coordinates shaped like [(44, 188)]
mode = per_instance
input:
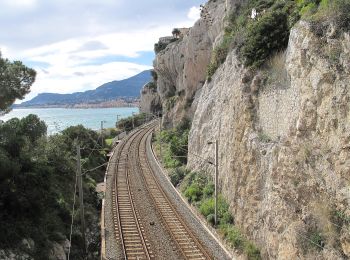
[(33, 127), (15, 82), (176, 33)]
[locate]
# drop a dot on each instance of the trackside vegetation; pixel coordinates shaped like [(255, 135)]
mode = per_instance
[(198, 188)]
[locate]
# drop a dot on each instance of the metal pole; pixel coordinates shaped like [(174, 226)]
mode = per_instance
[(160, 138), (216, 180), (102, 133), (81, 199), (133, 125)]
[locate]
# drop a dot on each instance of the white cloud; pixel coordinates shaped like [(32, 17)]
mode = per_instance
[(20, 3), (68, 80), (194, 13), (67, 61), (74, 46)]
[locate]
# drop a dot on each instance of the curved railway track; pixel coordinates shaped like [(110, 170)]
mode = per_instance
[(128, 225)]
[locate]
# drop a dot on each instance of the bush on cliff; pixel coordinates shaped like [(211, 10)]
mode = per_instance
[(255, 40), (175, 143), (264, 37)]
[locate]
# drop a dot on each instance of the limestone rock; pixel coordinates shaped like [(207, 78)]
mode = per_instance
[(345, 241), (283, 156), (150, 100), (182, 66)]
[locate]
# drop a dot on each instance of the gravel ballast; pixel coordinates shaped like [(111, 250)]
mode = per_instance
[(162, 245)]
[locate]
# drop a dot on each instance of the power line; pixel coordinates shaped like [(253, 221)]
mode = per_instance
[(94, 168)]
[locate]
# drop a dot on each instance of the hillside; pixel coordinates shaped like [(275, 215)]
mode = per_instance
[(123, 89)]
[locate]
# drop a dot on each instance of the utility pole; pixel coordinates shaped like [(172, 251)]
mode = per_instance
[(133, 124), (81, 199), (216, 180), (160, 137), (102, 133), (216, 164)]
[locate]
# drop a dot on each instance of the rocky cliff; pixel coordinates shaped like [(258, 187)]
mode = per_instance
[(150, 100), (181, 67), (283, 133), (284, 145)]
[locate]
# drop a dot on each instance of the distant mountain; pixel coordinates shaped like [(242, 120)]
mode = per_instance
[(123, 89)]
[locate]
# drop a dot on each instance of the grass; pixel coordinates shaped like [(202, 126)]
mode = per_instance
[(275, 71)]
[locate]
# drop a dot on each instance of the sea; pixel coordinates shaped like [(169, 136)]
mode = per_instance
[(58, 119)]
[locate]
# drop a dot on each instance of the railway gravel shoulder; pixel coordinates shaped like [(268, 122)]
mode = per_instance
[(113, 250)]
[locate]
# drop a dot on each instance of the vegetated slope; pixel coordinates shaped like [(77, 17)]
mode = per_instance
[(276, 99), (37, 183), (127, 88)]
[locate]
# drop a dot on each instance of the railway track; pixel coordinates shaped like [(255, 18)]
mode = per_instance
[(127, 220)]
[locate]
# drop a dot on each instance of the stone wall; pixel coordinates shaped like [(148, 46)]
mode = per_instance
[(278, 99)]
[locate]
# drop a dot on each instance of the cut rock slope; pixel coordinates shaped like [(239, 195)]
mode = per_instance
[(284, 149), (283, 132)]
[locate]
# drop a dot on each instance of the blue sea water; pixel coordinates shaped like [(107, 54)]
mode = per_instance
[(58, 119)]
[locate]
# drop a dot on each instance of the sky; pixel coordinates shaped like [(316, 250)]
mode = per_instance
[(76, 45)]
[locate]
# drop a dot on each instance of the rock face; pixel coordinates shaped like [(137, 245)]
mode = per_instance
[(284, 146), (181, 67), (150, 100), (283, 133)]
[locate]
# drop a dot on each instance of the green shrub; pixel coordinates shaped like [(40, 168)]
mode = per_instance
[(316, 240), (128, 123), (211, 219), (207, 207), (219, 55), (208, 190), (308, 9), (193, 193), (226, 218), (158, 47), (176, 141), (264, 37), (233, 236), (252, 252), (170, 161), (337, 11), (177, 175)]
